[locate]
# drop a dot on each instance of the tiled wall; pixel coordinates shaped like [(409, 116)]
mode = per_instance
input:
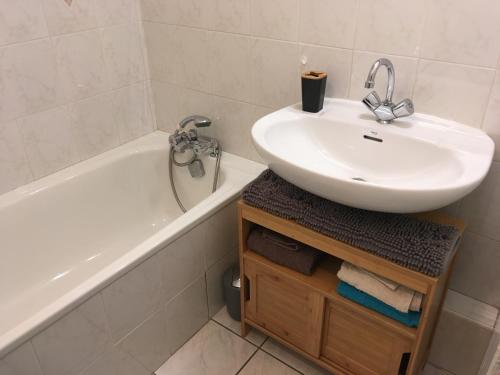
[(135, 324), (72, 83), (236, 60)]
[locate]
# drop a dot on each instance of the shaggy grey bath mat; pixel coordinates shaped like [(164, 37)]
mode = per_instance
[(412, 243)]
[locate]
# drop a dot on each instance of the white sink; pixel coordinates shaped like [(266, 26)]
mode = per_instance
[(415, 164)]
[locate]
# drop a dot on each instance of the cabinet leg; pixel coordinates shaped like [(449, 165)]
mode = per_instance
[(245, 328)]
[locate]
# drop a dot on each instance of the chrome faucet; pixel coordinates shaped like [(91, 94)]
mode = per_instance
[(188, 139), (385, 111)]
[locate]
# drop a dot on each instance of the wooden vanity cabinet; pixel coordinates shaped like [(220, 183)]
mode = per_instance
[(306, 314)]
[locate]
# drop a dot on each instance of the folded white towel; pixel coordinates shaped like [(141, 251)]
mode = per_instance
[(401, 297)]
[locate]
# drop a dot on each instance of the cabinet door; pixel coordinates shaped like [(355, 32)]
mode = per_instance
[(359, 344), (284, 307)]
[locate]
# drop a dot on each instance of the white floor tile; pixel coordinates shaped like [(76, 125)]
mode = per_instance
[(223, 317), (212, 351), (264, 364)]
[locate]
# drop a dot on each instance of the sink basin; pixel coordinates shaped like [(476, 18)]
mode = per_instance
[(415, 164)]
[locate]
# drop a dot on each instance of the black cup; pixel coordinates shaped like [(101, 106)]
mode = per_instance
[(313, 91)]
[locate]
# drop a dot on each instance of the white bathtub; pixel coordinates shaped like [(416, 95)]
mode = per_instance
[(72, 233)]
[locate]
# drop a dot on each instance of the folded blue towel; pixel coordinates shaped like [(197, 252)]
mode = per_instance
[(410, 319)]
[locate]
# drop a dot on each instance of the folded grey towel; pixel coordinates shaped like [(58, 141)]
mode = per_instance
[(302, 259), (416, 244)]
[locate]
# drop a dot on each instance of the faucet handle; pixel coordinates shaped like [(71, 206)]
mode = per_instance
[(403, 108), (372, 100)]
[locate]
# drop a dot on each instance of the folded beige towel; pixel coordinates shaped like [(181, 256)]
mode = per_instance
[(401, 297)]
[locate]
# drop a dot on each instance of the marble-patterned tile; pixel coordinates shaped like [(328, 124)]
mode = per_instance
[(177, 103), (191, 13), (186, 313), (328, 22), (400, 36), (222, 317), (275, 73), (28, 79), (21, 21), (491, 124), (276, 19), (50, 141), (406, 70), (215, 275), (453, 91), (231, 16), (156, 10), (459, 344), (132, 111), (481, 208), (117, 12), (63, 17), (115, 362), (80, 65), (95, 127), (122, 46), (476, 269), (230, 66), (212, 351), (262, 363), (21, 361), (143, 285), (463, 32), (149, 344), (335, 62), (74, 341), (162, 51), (182, 262), (292, 359), (14, 167)]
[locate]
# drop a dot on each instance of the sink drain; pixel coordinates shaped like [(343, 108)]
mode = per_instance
[(359, 179)]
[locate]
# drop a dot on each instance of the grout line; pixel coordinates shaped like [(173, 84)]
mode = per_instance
[(281, 360), (247, 361)]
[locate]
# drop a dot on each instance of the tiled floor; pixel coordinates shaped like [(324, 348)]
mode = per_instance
[(217, 349)]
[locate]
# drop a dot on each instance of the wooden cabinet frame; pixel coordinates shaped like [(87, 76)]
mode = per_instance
[(324, 281)]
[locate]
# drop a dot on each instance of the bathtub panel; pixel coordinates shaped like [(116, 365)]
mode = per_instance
[(21, 361), (182, 261), (69, 345), (222, 234), (133, 297), (149, 343), (186, 314), (116, 362)]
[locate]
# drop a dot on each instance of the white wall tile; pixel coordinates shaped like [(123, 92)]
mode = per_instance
[(50, 140), (80, 65), (491, 123), (70, 344), (276, 19), (193, 13), (186, 314), (481, 208), (28, 79), (232, 16), (115, 362), (156, 10), (463, 31), (132, 112), (328, 22), (406, 69), (452, 91), (391, 26), (230, 63), (117, 12), (63, 18), (162, 51), (131, 299), (14, 167), (336, 62), (275, 73), (95, 127), (21, 21), (22, 361), (122, 47)]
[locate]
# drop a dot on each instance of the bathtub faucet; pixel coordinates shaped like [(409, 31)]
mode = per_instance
[(188, 139)]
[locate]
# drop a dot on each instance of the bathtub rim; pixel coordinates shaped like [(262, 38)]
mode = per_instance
[(246, 170)]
